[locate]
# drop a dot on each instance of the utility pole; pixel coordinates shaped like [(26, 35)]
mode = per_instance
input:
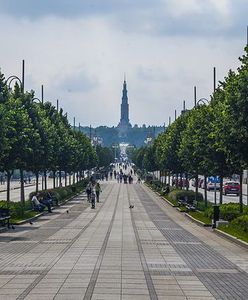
[(42, 94), (195, 95)]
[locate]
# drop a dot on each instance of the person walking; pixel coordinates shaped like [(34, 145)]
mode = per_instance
[(88, 190), (93, 197), (98, 190)]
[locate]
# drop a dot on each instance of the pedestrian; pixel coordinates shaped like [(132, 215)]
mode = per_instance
[(93, 198), (88, 190), (98, 190)]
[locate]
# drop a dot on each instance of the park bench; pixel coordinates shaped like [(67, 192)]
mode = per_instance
[(4, 216), (189, 204), (183, 201)]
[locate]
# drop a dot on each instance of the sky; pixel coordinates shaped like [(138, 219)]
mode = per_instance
[(80, 50)]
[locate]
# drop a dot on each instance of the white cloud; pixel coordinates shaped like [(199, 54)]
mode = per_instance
[(96, 50)]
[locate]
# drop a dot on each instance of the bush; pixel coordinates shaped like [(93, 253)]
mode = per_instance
[(209, 212), (16, 208), (180, 194), (229, 211), (241, 222)]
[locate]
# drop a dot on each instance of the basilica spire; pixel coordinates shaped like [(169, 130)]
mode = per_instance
[(124, 104), (124, 124)]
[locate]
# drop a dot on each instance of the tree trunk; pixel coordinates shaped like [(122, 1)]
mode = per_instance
[(54, 179), (205, 191), (70, 179), (241, 192), (177, 181), (73, 179), (60, 179), (9, 174), (196, 187), (65, 179), (37, 182), (45, 179), (22, 187), (221, 189), (187, 181)]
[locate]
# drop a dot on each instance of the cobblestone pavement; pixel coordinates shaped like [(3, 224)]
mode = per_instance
[(150, 251)]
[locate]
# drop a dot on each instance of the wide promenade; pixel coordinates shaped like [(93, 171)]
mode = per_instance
[(150, 251)]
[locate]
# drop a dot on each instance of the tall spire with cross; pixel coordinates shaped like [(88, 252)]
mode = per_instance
[(124, 121)]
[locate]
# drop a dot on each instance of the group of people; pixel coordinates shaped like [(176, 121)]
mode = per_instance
[(93, 190)]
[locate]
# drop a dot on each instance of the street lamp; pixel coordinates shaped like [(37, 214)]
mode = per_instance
[(202, 101), (9, 81)]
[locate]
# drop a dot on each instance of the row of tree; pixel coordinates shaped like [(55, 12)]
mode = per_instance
[(35, 137), (211, 139)]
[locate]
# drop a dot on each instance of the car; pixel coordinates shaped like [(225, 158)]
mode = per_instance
[(231, 187), (211, 186)]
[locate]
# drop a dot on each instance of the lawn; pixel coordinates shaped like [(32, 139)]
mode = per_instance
[(234, 231), (200, 216)]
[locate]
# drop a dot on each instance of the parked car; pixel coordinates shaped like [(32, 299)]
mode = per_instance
[(211, 186), (231, 187)]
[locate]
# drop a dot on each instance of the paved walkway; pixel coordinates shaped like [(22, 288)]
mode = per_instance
[(150, 251)]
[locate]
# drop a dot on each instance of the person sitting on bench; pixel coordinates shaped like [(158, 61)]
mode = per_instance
[(40, 205)]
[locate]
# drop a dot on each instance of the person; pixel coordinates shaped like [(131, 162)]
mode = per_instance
[(93, 197), (88, 191), (98, 190), (36, 203), (167, 189), (47, 202)]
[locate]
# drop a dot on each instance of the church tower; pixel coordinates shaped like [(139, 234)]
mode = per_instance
[(124, 124)]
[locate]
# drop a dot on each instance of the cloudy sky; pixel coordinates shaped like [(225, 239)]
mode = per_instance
[(81, 49)]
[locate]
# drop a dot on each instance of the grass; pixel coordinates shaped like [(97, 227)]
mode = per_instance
[(172, 201), (27, 215), (234, 231), (200, 216)]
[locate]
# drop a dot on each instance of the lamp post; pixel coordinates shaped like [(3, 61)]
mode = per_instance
[(9, 81), (201, 101)]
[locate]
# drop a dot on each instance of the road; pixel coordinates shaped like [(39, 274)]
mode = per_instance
[(15, 189), (150, 251), (226, 199)]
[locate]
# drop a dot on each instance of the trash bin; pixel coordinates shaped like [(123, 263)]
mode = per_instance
[(216, 214)]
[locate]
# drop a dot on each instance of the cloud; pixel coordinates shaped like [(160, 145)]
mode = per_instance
[(80, 50)]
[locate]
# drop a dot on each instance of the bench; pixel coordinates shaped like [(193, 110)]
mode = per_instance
[(191, 206), (51, 198), (4, 216), (183, 201)]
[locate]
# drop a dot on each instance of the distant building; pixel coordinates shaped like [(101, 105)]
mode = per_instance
[(124, 132), (124, 124)]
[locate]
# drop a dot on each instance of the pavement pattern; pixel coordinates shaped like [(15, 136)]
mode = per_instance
[(150, 251)]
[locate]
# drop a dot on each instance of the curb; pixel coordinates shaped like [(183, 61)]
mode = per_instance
[(197, 221), (231, 238)]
